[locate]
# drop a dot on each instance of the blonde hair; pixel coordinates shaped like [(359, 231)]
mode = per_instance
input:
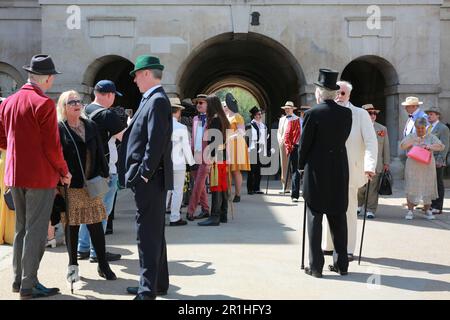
[(326, 94), (62, 102)]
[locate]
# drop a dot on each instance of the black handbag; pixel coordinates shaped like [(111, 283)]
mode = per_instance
[(59, 205), (9, 199), (386, 184)]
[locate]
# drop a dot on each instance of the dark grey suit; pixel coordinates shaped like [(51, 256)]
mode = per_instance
[(442, 132), (146, 152)]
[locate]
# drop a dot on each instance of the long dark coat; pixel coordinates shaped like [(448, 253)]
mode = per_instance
[(323, 156)]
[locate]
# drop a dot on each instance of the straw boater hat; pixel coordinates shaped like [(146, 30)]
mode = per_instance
[(289, 104), (176, 103), (201, 96), (370, 107), (412, 101), (434, 109), (304, 108)]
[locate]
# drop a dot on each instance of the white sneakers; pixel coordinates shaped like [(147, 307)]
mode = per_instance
[(428, 215), (409, 215), (370, 215)]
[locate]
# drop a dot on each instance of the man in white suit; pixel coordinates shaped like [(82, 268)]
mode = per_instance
[(181, 155), (362, 150), (282, 126)]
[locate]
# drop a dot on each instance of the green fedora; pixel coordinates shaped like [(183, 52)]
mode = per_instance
[(146, 62)]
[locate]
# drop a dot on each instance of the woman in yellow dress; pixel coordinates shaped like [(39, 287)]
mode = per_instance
[(237, 147), (7, 216)]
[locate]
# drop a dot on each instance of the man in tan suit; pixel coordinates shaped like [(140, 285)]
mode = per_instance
[(282, 126), (383, 161), (362, 149)]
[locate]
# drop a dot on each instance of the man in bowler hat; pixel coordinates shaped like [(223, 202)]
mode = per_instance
[(323, 156), (145, 166), (29, 126)]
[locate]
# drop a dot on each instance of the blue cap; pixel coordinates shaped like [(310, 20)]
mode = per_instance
[(106, 86)]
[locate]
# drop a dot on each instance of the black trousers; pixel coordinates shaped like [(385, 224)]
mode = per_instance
[(439, 202), (254, 177), (150, 200), (293, 163), (338, 228), (219, 204), (97, 238)]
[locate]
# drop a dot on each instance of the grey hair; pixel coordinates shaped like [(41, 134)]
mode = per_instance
[(345, 83), (326, 94), (157, 74), (421, 122), (37, 78)]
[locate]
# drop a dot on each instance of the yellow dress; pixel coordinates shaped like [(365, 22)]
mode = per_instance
[(237, 147), (7, 217)]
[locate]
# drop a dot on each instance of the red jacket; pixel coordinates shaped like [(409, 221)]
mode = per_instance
[(29, 133), (292, 135)]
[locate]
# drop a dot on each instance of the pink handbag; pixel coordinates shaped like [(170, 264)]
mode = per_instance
[(420, 154)]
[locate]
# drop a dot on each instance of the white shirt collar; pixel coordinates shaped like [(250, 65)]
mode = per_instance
[(149, 91)]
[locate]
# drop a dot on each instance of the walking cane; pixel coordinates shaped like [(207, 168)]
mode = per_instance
[(229, 191), (364, 223), (304, 233), (69, 244), (267, 184)]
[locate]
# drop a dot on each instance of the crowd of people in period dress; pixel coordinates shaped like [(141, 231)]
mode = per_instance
[(65, 163)]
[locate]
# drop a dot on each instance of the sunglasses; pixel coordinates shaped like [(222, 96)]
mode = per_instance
[(201, 102), (372, 113), (73, 103), (342, 93)]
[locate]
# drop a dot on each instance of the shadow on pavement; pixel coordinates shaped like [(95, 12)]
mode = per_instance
[(410, 265)]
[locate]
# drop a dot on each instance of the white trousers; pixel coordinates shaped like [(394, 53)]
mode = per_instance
[(352, 222), (176, 194)]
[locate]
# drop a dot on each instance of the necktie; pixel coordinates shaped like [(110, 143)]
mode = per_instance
[(410, 115), (430, 127), (202, 117)]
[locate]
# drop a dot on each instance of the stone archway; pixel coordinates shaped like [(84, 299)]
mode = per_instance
[(116, 69), (255, 62), (10, 79), (374, 81)]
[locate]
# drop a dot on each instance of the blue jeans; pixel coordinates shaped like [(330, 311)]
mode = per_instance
[(84, 240)]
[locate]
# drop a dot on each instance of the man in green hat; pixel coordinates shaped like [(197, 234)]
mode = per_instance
[(145, 166)]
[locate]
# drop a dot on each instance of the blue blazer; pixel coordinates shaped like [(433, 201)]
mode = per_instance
[(146, 144)]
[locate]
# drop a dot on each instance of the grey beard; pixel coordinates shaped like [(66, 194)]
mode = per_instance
[(342, 104)]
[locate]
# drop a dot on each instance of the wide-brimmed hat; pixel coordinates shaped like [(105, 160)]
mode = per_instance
[(106, 86), (176, 103), (199, 97), (288, 104), (433, 109), (254, 110), (231, 102), (304, 108), (369, 107), (411, 101), (146, 62), (41, 64), (327, 79)]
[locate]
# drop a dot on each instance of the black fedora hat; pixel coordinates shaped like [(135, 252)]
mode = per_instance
[(41, 64), (255, 110), (327, 79)]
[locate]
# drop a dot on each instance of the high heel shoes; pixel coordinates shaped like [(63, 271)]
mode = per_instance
[(51, 243), (105, 271), (72, 276)]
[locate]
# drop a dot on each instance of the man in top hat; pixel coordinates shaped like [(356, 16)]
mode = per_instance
[(362, 150), (29, 126), (181, 155), (323, 156), (111, 128), (441, 131), (257, 147), (281, 135), (412, 107), (145, 166), (201, 169), (383, 160)]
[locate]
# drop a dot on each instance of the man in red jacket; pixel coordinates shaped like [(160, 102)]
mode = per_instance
[(34, 166), (291, 141)]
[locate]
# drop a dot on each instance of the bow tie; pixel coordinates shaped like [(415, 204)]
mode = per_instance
[(288, 117), (202, 117), (411, 116)]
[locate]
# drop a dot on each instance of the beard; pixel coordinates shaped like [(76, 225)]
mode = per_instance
[(341, 103)]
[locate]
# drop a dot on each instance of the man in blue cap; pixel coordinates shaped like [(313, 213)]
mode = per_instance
[(111, 128)]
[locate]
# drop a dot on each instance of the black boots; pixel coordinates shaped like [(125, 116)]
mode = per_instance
[(105, 271), (211, 221)]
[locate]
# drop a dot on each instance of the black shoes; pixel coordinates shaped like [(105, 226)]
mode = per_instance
[(237, 199), (211, 221), (15, 287), (109, 257), (202, 215), (106, 272), (336, 269), (144, 297), (315, 274), (134, 290), (350, 257), (223, 219), (250, 192), (259, 192), (189, 217), (180, 222), (83, 255)]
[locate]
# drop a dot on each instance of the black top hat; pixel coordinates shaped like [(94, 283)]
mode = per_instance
[(231, 102), (254, 110), (41, 64), (327, 79)]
